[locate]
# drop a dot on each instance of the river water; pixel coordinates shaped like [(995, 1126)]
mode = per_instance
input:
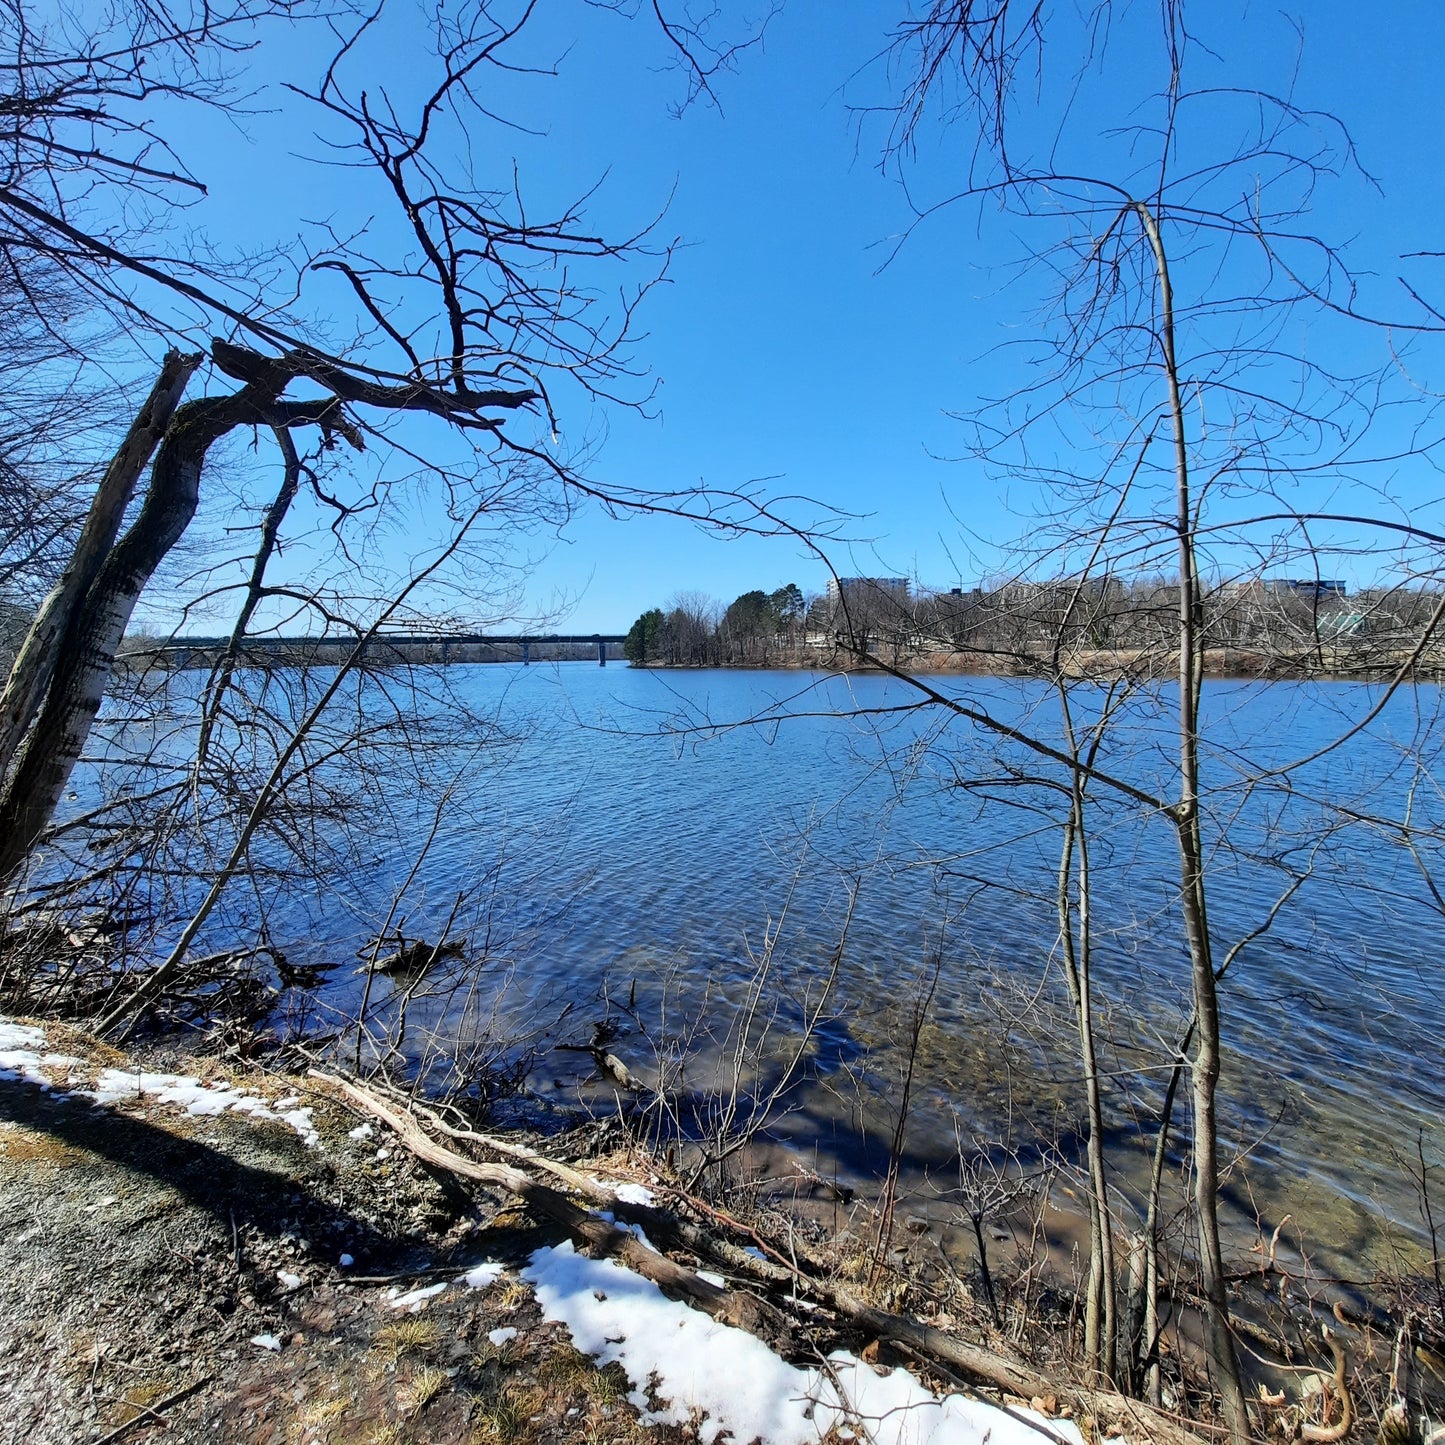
[(641, 843)]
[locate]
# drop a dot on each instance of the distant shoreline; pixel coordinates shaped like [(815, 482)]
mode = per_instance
[(1346, 663), (1101, 665)]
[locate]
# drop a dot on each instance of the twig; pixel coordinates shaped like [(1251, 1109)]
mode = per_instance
[(153, 1411)]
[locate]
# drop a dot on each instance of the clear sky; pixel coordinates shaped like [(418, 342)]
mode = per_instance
[(785, 352)]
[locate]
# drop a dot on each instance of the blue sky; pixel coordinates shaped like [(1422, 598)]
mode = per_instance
[(785, 353)]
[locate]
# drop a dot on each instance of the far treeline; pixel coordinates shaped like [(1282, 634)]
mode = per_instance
[(1267, 626)]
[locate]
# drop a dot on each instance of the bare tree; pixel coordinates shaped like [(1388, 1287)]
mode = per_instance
[(1161, 429), (464, 327)]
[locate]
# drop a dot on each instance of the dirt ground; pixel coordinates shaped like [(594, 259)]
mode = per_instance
[(141, 1254)]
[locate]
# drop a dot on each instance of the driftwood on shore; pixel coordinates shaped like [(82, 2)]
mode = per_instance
[(731, 1306), (975, 1364)]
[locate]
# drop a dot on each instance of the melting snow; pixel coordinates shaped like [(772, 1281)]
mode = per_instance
[(635, 1230), (267, 1342), (695, 1364), (23, 1058), (416, 1299), (501, 1336), (482, 1275), (634, 1194), (116, 1085)]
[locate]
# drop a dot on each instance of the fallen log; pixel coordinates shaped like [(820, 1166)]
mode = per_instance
[(584, 1184), (976, 1364), (661, 1225), (734, 1307)]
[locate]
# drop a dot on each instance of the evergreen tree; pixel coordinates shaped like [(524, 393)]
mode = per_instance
[(642, 638)]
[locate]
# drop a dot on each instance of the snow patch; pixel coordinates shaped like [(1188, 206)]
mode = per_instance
[(634, 1194), (300, 1121), (20, 1036), (501, 1336), (362, 1131), (266, 1342), (23, 1056), (895, 1409), (116, 1086), (635, 1230), (693, 1363), (416, 1299), (614, 1314), (482, 1276), (24, 1059)]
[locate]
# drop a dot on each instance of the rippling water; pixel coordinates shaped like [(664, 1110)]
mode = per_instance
[(631, 838)]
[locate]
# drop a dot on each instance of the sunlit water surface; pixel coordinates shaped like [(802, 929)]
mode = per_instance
[(631, 844)]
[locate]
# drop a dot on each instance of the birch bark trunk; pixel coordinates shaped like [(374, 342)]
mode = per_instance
[(31, 673), (80, 660)]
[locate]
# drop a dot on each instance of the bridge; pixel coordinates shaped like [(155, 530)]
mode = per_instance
[(389, 648)]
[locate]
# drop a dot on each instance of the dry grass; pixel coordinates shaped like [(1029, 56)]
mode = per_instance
[(64, 1038), (513, 1297), (387, 1435), (138, 1396), (618, 1429), (507, 1416), (410, 1335), (314, 1423), (19, 1145), (423, 1387), (567, 1370), (609, 1384)]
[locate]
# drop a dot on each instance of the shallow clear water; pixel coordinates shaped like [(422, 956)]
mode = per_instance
[(630, 839)]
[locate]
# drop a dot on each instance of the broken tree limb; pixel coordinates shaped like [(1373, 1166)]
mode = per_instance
[(662, 1225), (31, 672), (734, 1307), (584, 1184)]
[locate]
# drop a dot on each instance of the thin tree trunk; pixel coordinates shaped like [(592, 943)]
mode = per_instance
[(1100, 1329), (32, 670), (1101, 1332), (1206, 1062), (1149, 1354)]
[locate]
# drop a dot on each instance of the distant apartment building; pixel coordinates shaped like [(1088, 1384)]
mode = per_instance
[(1310, 589), (868, 589)]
